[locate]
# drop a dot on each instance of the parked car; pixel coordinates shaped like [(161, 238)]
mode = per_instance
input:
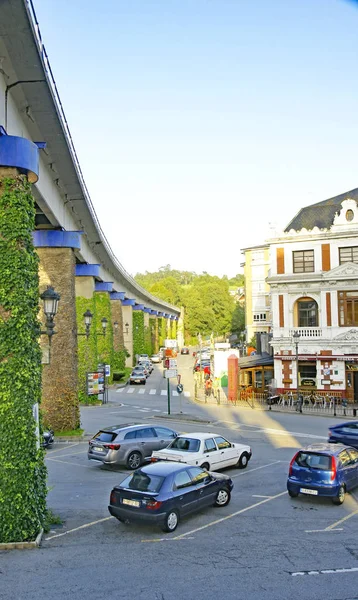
[(146, 364), (142, 357), (346, 433), (163, 493), (129, 445), (184, 350), (162, 350), (209, 451), (155, 358), (323, 470), (48, 438), (138, 376)]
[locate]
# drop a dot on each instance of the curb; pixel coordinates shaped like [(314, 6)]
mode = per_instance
[(183, 417), (23, 545)]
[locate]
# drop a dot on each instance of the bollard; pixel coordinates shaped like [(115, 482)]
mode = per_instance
[(334, 406)]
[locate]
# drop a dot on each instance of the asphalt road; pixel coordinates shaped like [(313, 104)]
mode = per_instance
[(263, 545)]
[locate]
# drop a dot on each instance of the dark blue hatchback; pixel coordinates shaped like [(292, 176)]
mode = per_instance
[(323, 470), (345, 433), (164, 492)]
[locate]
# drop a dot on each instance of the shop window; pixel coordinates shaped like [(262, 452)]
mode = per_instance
[(348, 308), (348, 254), (258, 379), (307, 313), (303, 261), (307, 372)]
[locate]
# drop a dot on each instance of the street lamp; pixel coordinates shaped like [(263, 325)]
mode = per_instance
[(295, 337), (88, 316), (50, 299)]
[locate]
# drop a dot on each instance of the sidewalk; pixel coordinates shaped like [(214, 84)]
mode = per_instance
[(219, 397)]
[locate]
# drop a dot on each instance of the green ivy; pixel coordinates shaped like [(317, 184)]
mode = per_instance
[(102, 308), (162, 333), (86, 347), (153, 328), (138, 334), (22, 468)]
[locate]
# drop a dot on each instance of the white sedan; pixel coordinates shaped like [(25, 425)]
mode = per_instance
[(207, 450)]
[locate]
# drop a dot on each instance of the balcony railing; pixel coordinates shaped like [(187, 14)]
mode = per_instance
[(307, 332)]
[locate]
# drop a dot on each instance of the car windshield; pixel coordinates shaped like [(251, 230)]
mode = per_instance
[(105, 436), (314, 461), (185, 444), (142, 482), (137, 372)]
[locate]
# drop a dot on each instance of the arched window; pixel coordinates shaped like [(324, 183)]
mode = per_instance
[(307, 312)]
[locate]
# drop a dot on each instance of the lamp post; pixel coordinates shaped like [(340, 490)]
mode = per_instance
[(50, 299), (295, 337), (88, 316)]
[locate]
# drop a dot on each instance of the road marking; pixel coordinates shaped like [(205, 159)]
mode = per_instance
[(130, 390), (175, 393), (326, 572), (163, 392), (66, 462), (258, 429), (238, 512), (144, 409), (187, 394), (152, 392), (78, 528), (120, 390), (323, 530), (256, 469), (259, 496), (66, 448), (141, 391), (341, 520), (71, 453), (156, 410)]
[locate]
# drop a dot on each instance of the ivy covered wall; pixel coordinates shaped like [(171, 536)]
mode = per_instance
[(139, 341), (153, 328), (102, 308), (87, 348), (161, 331), (22, 469)]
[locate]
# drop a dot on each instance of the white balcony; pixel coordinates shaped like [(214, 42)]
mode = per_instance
[(307, 333)]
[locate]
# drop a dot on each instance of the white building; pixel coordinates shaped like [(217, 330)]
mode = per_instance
[(314, 292), (257, 290)]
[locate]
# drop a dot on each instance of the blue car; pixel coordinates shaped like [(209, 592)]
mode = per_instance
[(163, 492), (323, 470), (345, 433)]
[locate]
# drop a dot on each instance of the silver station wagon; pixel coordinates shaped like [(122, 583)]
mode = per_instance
[(128, 445)]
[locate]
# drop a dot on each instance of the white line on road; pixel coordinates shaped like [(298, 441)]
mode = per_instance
[(333, 526), (156, 410), (144, 409), (256, 469), (78, 528), (152, 392), (258, 496), (64, 448), (175, 393), (163, 392), (66, 462), (120, 390), (187, 394), (270, 430), (326, 572), (130, 391), (141, 391), (323, 530)]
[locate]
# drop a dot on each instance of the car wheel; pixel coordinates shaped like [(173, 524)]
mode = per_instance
[(171, 521), (134, 460), (143, 382), (339, 499), (222, 497), (205, 466), (292, 494), (243, 461)]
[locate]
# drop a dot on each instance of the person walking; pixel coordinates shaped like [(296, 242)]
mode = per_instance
[(208, 387)]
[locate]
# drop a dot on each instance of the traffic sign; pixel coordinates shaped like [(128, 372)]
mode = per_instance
[(173, 363), (168, 373)]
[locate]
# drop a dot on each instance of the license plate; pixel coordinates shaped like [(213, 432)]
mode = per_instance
[(311, 492), (131, 502), (137, 380), (98, 449)]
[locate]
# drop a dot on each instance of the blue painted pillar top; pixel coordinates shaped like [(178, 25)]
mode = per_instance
[(54, 238), (21, 154)]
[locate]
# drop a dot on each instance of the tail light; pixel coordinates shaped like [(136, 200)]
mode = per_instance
[(153, 459), (291, 464), (112, 446), (112, 498), (153, 504), (334, 469), (329, 433)]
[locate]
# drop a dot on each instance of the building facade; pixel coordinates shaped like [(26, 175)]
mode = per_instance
[(257, 290), (313, 283)]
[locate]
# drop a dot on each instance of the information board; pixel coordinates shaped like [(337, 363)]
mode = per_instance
[(95, 383)]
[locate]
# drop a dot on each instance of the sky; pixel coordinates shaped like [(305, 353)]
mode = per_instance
[(202, 125)]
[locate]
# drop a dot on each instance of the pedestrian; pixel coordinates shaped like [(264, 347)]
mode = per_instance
[(208, 387)]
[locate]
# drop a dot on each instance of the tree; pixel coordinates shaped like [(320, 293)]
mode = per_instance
[(238, 319)]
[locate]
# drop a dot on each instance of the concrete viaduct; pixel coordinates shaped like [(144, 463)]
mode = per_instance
[(75, 257)]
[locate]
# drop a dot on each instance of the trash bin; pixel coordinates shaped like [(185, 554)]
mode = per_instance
[(224, 381)]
